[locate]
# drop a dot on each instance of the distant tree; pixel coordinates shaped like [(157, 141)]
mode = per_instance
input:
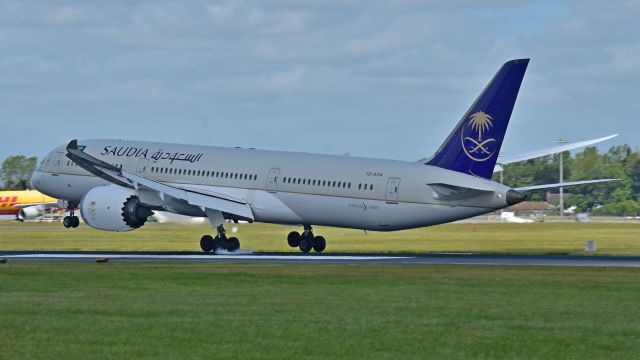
[(16, 171)]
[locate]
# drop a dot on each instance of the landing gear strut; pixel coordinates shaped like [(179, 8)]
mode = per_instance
[(209, 243), (306, 241), (71, 221)]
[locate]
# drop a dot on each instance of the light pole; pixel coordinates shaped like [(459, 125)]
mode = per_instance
[(561, 141)]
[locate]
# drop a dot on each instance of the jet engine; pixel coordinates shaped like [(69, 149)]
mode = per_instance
[(30, 213), (113, 208)]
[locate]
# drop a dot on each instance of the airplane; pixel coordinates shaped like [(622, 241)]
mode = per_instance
[(118, 184), (25, 204)]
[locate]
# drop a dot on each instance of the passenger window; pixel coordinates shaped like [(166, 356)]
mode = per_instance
[(359, 186), (371, 187)]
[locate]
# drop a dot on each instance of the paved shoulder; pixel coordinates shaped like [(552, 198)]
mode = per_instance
[(329, 258)]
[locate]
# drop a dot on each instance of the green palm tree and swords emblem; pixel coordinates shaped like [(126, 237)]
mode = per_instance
[(480, 122)]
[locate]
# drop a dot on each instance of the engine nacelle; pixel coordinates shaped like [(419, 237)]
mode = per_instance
[(113, 208), (31, 212)]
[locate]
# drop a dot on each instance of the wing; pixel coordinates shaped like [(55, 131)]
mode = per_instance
[(46, 205), (557, 185), (157, 192)]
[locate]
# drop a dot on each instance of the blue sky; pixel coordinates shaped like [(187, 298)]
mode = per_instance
[(383, 79)]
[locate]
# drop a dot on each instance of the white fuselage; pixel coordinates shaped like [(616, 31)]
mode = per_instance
[(284, 187)]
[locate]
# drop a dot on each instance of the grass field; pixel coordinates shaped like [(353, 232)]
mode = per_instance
[(241, 311), (536, 238)]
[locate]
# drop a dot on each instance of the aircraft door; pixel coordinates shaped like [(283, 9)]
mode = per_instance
[(142, 166), (56, 162), (393, 185), (272, 180)]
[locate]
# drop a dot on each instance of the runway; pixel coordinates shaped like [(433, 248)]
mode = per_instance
[(329, 258)]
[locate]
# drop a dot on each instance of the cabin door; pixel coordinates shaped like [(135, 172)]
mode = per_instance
[(142, 166), (272, 180), (392, 189)]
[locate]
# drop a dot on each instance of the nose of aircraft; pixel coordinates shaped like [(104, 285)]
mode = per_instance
[(514, 197), (34, 180)]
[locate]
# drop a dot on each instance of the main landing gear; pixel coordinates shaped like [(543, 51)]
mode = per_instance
[(209, 243), (71, 221), (306, 241)]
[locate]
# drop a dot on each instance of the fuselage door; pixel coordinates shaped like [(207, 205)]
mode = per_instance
[(272, 180), (142, 166), (393, 185), (56, 162)]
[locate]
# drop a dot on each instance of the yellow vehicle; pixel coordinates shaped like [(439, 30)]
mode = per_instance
[(25, 204)]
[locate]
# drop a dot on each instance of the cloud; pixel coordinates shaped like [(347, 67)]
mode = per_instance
[(352, 76)]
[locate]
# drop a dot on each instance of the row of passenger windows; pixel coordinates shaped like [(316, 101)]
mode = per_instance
[(208, 173), (253, 177), (339, 184), (329, 183)]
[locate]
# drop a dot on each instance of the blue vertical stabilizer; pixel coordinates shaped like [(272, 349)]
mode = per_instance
[(473, 146)]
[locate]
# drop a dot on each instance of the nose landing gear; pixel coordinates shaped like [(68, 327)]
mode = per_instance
[(306, 241), (71, 221)]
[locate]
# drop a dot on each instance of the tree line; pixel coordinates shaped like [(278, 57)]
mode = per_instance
[(620, 198), (16, 171)]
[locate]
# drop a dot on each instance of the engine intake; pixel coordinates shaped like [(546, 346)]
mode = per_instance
[(30, 213), (113, 208)]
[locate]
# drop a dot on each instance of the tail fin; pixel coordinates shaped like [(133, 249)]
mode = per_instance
[(474, 144)]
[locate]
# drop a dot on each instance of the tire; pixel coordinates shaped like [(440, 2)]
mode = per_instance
[(293, 239), (66, 222), (305, 244), (206, 243), (218, 244), (234, 244), (75, 221), (319, 244)]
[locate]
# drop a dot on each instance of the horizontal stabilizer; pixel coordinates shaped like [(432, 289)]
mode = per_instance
[(557, 185), (503, 160), (453, 192)]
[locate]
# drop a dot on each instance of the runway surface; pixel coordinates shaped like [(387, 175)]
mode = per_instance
[(329, 258)]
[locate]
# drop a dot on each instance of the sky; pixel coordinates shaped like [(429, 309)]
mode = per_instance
[(387, 79)]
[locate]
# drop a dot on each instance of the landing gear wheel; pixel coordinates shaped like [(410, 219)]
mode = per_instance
[(218, 243), (319, 244), (75, 221), (293, 239), (66, 222), (305, 244), (207, 243), (233, 244)]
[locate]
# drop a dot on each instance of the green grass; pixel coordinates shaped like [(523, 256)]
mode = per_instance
[(536, 238), (245, 311)]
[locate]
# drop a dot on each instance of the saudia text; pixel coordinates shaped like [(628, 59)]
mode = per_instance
[(132, 151)]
